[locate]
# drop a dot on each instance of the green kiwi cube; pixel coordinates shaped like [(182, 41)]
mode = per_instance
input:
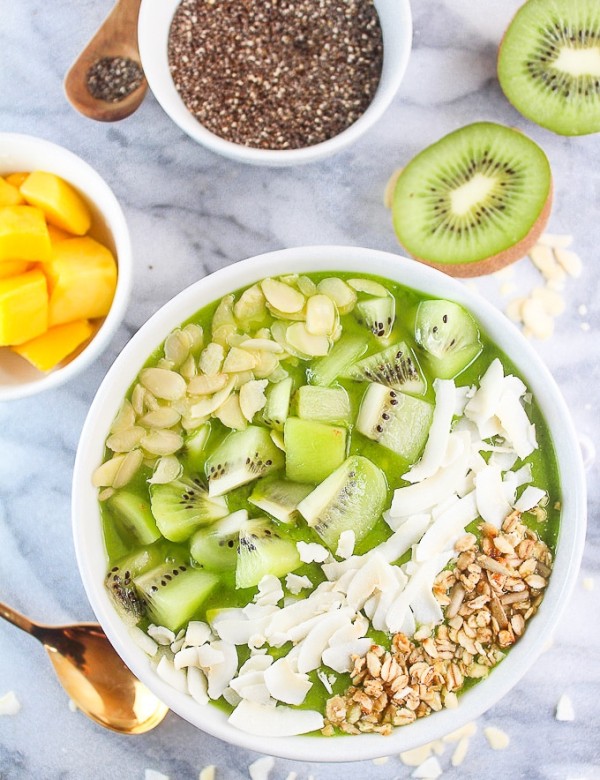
[(324, 404), (312, 449), (278, 403), (326, 370), (279, 497), (134, 514)]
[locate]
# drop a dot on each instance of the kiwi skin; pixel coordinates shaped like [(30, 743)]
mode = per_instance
[(496, 262)]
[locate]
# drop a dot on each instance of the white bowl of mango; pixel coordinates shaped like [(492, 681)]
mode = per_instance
[(65, 265)]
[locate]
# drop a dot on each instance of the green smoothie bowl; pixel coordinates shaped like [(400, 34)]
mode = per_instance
[(325, 513)]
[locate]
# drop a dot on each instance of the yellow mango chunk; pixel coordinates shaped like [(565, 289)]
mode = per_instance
[(23, 234), (16, 179), (53, 346), (56, 234), (9, 194), (13, 267), (60, 203), (82, 277), (23, 307)]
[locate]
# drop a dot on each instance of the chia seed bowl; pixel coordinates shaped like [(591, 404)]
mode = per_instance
[(166, 28)]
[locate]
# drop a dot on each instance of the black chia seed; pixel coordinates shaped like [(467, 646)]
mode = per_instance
[(113, 78), (276, 74)]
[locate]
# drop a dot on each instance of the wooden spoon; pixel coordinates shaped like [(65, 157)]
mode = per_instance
[(117, 37)]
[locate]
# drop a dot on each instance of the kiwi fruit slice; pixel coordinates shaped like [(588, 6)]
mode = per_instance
[(120, 585), (475, 201), (353, 497), (279, 498), (242, 457), (378, 314), (173, 592), (325, 404), (215, 547), (395, 367), (549, 64), (395, 420), (183, 505), (278, 403), (312, 449), (326, 370), (263, 550), (448, 335), (134, 515)]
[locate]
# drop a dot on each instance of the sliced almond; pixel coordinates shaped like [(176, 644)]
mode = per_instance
[(167, 469), (208, 406), (536, 319), (542, 257), (125, 441), (297, 316), (514, 309), (194, 335), (369, 287), (252, 397), (165, 417), (207, 385), (188, 368), (263, 344), (238, 360), (552, 301), (569, 261), (137, 398), (497, 739), (230, 413), (177, 347), (340, 293), (279, 330), (266, 363), (282, 297), (106, 493), (104, 475), (320, 315), (125, 418), (164, 384), (241, 378), (162, 442), (300, 339), (128, 468), (211, 359), (555, 241), (306, 286), (251, 306)]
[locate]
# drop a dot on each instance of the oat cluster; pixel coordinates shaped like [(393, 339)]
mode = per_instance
[(494, 587), (279, 74)]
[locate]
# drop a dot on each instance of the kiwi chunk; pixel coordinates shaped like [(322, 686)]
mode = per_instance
[(549, 64), (378, 314), (195, 446), (325, 404), (312, 449), (327, 369), (448, 335), (183, 505), (242, 457), (279, 498), (474, 201), (278, 403), (215, 547), (120, 585), (263, 550), (173, 592), (395, 420), (395, 367), (353, 497), (134, 515)]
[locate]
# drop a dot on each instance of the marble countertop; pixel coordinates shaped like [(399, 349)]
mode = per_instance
[(191, 212)]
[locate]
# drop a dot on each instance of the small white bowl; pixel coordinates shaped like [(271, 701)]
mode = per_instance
[(87, 526), (153, 34), (18, 378)]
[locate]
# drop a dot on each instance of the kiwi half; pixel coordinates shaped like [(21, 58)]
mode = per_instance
[(549, 64), (475, 201)]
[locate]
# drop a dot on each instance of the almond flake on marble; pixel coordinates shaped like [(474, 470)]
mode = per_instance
[(311, 552), (468, 730), (564, 709), (208, 773), (152, 774), (536, 318), (514, 308), (497, 739), (460, 752), (417, 756), (555, 240), (9, 704), (428, 770), (588, 583), (569, 261), (381, 761)]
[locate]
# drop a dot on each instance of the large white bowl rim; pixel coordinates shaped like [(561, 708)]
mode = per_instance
[(20, 152), (153, 35), (88, 532)]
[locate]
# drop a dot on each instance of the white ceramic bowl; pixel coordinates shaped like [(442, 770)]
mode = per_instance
[(18, 378), (153, 34), (88, 531)]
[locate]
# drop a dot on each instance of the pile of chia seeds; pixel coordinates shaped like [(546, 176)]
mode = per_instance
[(276, 74), (113, 78)]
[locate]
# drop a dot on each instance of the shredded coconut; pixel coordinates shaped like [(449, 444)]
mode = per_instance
[(564, 709)]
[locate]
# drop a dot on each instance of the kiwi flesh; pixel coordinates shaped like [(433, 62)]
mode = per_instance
[(326, 370), (173, 592), (378, 314), (278, 403), (351, 498), (242, 457), (120, 585), (448, 335), (325, 404), (397, 421), (312, 449), (549, 64), (279, 498), (183, 505), (475, 201), (215, 547), (134, 515), (263, 550), (395, 367)]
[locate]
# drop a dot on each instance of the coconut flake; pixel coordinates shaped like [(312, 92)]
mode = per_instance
[(160, 634), (447, 528), (261, 768), (197, 685), (492, 503), (141, 638), (270, 591), (219, 675), (346, 544), (324, 679), (375, 575), (484, 403), (430, 769), (9, 704), (530, 497), (564, 709), (317, 640), (311, 552), (176, 678), (439, 431), (267, 721), (197, 633), (152, 774), (339, 658), (295, 583), (513, 418), (418, 595), (186, 657), (285, 683), (208, 773)]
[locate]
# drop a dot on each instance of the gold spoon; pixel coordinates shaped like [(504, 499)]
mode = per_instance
[(117, 37), (94, 676)]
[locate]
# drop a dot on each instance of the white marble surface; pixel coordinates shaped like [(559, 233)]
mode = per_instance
[(191, 212)]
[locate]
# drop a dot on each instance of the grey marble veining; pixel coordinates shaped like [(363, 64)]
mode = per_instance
[(190, 213)]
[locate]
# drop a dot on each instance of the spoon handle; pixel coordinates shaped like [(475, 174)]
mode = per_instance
[(17, 619)]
